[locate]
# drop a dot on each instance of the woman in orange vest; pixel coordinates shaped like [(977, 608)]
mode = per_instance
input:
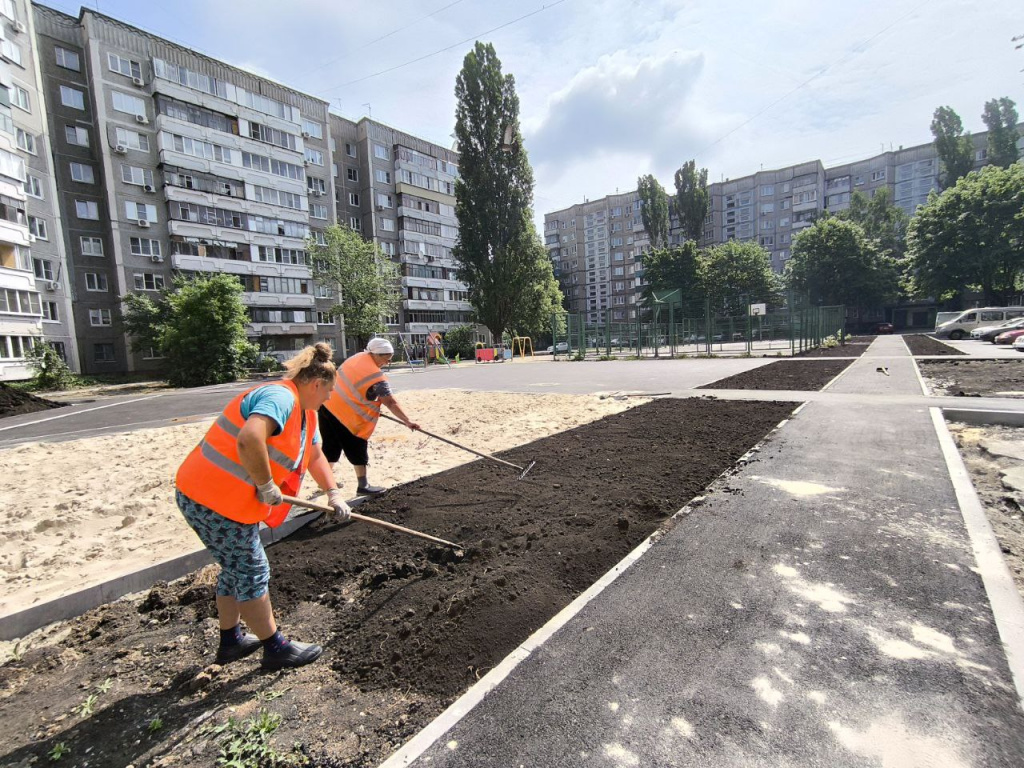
[(350, 414), (256, 451)]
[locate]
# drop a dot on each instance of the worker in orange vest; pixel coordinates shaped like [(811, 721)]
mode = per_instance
[(257, 451), (350, 414)]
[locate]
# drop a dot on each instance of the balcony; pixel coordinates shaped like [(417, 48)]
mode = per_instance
[(188, 263), (283, 329), (267, 300)]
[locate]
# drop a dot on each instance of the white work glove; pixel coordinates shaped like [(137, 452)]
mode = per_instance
[(342, 513), (269, 493)]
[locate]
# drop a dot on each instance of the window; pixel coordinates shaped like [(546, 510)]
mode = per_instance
[(353, 199), (82, 173), (132, 139), (76, 135), (144, 246), (314, 156), (133, 105), (92, 246), (102, 353), (767, 190), (67, 59), (381, 153), (350, 149), (87, 209), (334, 170), (314, 129), (388, 225), (384, 177), (318, 211), (16, 347), (26, 141), (316, 186), (34, 186), (43, 269), (72, 97), (122, 66), (140, 176), (19, 98), (324, 318), (50, 313), (147, 281), (99, 317), (37, 227), (354, 223), (140, 211), (152, 353), (352, 174), (95, 281), (878, 175), (385, 201)]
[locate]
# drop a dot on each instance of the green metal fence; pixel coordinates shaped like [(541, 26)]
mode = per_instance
[(785, 324)]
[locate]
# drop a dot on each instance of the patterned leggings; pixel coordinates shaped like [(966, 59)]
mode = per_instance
[(244, 570)]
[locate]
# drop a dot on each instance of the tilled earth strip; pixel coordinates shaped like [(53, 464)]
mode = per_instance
[(792, 375), (406, 628)]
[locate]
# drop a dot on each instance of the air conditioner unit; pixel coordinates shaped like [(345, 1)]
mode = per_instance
[(32, 238), (305, 134), (18, 26), (156, 258), (138, 81), (149, 188), (142, 119), (144, 223), (306, 162), (121, 149), (52, 285)]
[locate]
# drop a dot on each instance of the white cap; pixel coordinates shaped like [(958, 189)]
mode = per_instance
[(380, 347)]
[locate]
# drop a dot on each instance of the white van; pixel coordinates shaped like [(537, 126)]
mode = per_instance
[(960, 327)]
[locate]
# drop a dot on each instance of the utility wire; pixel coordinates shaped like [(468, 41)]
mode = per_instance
[(448, 48), (856, 50), (383, 37)]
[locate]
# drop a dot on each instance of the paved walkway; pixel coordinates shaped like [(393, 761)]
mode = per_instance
[(826, 611)]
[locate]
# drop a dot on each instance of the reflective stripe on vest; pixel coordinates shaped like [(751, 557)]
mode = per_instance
[(348, 402), (214, 476)]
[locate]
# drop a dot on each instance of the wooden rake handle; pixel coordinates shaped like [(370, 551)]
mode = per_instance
[(458, 445), (373, 521)]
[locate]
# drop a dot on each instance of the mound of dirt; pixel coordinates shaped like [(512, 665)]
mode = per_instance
[(920, 344), (14, 402), (792, 375)]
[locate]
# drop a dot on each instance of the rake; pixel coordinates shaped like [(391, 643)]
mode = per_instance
[(522, 470)]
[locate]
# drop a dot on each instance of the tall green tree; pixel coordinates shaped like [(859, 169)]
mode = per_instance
[(836, 262), (198, 325), (735, 274), (540, 302), (369, 281), (669, 269), (883, 222), (1000, 118), (653, 209), (971, 237), (496, 248), (955, 148), (692, 199)]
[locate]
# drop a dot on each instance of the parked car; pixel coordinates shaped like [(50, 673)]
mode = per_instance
[(560, 347), (989, 332), (1008, 337), (961, 326), (879, 328), (1018, 343)]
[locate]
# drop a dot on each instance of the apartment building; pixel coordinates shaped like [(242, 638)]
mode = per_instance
[(399, 190), (596, 250), (34, 302)]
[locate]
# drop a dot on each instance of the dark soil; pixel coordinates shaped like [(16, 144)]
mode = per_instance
[(919, 344), (14, 402), (974, 378), (406, 627), (854, 347), (795, 375)]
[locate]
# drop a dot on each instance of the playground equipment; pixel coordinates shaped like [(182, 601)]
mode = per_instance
[(522, 343)]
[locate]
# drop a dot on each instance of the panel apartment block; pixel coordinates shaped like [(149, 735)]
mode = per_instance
[(172, 162)]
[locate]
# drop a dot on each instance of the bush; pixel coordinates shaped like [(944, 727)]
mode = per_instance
[(51, 372), (459, 341)]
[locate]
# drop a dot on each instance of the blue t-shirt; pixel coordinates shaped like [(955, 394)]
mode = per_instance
[(276, 403)]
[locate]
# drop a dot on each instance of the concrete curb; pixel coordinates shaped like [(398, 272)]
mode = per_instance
[(15, 625), (1006, 602), (980, 417)]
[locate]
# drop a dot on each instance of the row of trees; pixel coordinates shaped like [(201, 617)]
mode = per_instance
[(688, 207), (956, 148)]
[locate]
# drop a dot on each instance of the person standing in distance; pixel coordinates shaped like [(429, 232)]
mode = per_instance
[(350, 414), (256, 451)]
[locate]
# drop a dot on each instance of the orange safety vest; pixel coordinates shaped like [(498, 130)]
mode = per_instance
[(348, 400), (213, 475)]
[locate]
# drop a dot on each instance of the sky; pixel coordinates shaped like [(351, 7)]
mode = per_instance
[(611, 89)]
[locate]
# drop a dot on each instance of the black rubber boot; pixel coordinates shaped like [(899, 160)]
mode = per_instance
[(292, 655), (228, 653)]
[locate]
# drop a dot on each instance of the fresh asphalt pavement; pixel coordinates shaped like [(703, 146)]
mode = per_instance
[(822, 608)]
